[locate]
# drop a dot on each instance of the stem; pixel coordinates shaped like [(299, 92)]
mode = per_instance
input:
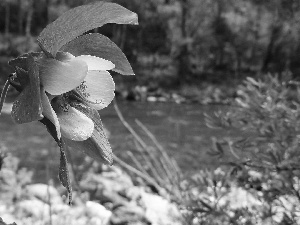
[(140, 174), (3, 94)]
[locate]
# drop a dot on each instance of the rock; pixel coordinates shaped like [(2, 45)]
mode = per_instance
[(3, 223), (129, 214), (107, 186), (109, 196), (134, 193), (7, 218), (95, 210), (33, 208), (44, 192), (160, 211)]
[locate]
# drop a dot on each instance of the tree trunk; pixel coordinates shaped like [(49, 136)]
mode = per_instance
[(29, 19), (7, 18), (183, 54), (269, 53), (20, 17)]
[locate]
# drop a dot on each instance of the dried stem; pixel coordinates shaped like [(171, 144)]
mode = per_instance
[(157, 166), (140, 174), (137, 163), (166, 160), (3, 94)]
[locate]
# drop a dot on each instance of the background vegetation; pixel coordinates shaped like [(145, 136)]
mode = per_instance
[(179, 41)]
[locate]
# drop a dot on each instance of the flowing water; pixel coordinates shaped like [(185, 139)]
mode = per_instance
[(180, 129)]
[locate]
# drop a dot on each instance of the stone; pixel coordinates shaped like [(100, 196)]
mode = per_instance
[(33, 208), (160, 211), (10, 219), (95, 210), (129, 214), (44, 192)]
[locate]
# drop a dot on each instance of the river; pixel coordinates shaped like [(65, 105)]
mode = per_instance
[(180, 129)]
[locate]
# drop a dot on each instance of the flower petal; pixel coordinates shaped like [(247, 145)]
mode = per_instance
[(96, 63), (49, 113), (97, 146), (98, 89), (75, 125), (60, 77)]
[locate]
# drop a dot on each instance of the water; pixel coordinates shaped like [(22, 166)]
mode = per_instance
[(179, 128)]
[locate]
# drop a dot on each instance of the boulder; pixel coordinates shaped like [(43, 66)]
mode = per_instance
[(32, 208), (97, 211), (160, 211), (44, 192), (129, 214)]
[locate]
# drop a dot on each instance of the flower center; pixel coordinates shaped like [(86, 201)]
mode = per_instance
[(61, 103), (82, 89)]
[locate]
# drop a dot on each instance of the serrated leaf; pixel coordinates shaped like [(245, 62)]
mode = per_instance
[(81, 19), (28, 106), (100, 46), (97, 146)]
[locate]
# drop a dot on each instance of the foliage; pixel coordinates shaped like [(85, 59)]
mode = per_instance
[(262, 156), (193, 37)]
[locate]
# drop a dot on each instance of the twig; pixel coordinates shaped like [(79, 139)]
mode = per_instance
[(140, 174), (129, 128), (3, 94), (135, 135), (167, 159), (137, 163), (152, 163)]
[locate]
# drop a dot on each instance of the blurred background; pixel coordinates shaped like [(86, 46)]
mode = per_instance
[(191, 58), (188, 56)]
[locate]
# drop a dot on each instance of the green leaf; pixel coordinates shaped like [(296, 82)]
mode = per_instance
[(81, 19), (50, 128), (97, 146), (100, 46), (23, 77), (64, 171), (21, 61), (28, 106)]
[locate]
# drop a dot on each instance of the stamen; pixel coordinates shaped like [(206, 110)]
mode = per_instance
[(82, 95), (82, 89), (62, 103)]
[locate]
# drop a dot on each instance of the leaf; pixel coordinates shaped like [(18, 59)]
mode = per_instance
[(81, 19), (100, 46), (50, 128), (21, 61), (28, 106), (23, 77), (97, 146), (64, 171)]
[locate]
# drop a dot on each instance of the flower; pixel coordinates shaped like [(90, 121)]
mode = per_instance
[(67, 81), (64, 85)]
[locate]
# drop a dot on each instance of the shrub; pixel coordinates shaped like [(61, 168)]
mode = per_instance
[(262, 154)]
